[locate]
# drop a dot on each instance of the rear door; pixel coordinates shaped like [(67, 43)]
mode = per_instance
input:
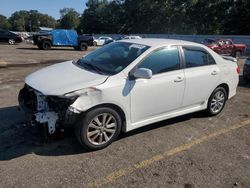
[(201, 73)]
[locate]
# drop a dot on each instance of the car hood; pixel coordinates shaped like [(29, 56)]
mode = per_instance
[(63, 78)]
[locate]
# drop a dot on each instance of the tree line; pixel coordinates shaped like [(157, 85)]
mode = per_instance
[(144, 16)]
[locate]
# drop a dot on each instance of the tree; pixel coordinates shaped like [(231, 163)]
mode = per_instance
[(18, 20), (30, 20), (102, 17), (4, 23), (238, 18), (69, 18)]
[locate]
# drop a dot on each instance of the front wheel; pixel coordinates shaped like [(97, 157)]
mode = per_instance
[(11, 41), (217, 101), (98, 128), (83, 47), (46, 45)]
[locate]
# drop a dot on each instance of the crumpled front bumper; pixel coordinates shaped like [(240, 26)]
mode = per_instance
[(52, 111)]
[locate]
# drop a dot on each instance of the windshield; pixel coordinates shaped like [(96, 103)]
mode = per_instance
[(112, 58)]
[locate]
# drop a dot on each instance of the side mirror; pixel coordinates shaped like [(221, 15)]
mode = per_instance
[(143, 73)]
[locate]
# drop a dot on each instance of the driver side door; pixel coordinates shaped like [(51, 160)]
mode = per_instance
[(163, 93)]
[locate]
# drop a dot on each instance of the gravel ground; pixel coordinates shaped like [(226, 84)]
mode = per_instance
[(28, 159)]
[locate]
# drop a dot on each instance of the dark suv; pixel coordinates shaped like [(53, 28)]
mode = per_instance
[(9, 37)]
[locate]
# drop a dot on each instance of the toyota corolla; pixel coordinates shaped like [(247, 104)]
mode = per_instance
[(126, 85)]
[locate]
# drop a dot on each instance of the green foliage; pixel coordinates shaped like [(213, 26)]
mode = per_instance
[(143, 16), (4, 23), (30, 20), (69, 18), (166, 16)]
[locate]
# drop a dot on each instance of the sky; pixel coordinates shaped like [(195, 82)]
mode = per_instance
[(50, 7)]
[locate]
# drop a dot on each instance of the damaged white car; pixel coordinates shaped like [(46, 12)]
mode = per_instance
[(126, 85)]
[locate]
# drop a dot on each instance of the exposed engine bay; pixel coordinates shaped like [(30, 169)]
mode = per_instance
[(52, 111)]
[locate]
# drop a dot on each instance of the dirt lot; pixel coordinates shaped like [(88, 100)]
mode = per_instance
[(190, 151)]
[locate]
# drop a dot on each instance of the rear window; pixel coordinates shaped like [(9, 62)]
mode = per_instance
[(196, 57)]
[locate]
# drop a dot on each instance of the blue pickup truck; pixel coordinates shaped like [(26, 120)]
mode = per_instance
[(63, 37)]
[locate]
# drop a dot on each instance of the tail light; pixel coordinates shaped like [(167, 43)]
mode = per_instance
[(238, 70)]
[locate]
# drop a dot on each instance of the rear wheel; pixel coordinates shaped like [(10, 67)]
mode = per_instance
[(46, 45), (83, 47), (98, 128), (11, 41), (217, 101)]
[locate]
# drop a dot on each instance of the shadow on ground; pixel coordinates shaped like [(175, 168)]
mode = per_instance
[(17, 138), (58, 49)]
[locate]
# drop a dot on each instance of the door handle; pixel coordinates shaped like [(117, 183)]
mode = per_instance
[(179, 79), (214, 72)]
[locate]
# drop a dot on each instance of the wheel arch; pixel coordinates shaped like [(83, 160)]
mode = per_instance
[(225, 86)]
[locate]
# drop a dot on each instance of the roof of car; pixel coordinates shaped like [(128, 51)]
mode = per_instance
[(160, 42)]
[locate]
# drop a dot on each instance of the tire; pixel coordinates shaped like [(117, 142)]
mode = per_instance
[(93, 135), (94, 43), (216, 101), (11, 41), (83, 47), (46, 45)]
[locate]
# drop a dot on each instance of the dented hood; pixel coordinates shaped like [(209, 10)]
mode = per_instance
[(63, 78)]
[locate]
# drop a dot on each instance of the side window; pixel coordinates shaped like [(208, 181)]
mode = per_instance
[(197, 57), (228, 42), (163, 60)]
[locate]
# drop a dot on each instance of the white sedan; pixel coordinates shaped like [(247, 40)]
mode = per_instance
[(101, 41), (132, 37), (129, 84)]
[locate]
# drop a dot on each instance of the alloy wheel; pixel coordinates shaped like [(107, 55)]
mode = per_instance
[(218, 102), (101, 129), (11, 41)]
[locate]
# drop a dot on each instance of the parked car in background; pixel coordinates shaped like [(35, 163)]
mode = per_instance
[(246, 70), (9, 37), (126, 85), (226, 47), (102, 41), (62, 37), (132, 37)]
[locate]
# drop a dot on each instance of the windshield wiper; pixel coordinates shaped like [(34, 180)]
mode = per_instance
[(93, 67)]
